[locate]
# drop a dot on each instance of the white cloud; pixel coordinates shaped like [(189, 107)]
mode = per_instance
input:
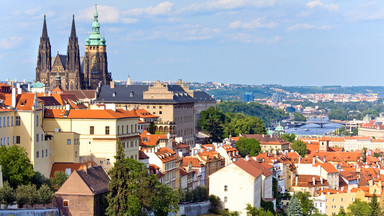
[(107, 14), (320, 4), (129, 20), (162, 8), (369, 11), (229, 4), (192, 32), (257, 23), (33, 11), (275, 39), (305, 26), (10, 43)]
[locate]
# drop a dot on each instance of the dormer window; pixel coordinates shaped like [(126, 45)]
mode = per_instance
[(114, 94), (131, 94)]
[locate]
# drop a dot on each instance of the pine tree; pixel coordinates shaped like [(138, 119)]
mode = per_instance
[(118, 192), (294, 208), (375, 206)]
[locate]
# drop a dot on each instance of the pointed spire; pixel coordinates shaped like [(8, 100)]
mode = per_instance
[(73, 29), (45, 32)]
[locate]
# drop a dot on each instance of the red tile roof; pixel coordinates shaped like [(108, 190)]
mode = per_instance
[(89, 114), (61, 167), (253, 167)]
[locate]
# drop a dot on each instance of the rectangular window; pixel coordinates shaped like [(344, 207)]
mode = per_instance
[(108, 161), (118, 130), (131, 144), (66, 203), (75, 153), (106, 130), (225, 187), (17, 139), (135, 128), (37, 154), (17, 120), (127, 129), (37, 137), (4, 122), (37, 120), (225, 199), (11, 120), (131, 128), (42, 153), (7, 121), (8, 140), (69, 141), (91, 130), (46, 152)]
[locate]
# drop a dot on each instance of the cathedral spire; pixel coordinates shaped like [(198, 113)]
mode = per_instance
[(95, 24), (45, 32), (73, 29)]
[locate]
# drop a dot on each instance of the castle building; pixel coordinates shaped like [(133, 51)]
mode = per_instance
[(75, 72)]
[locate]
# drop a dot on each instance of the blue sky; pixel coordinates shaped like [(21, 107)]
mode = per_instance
[(289, 42)]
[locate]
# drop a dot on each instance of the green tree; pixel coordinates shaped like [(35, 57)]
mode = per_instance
[(212, 121), (59, 179), (299, 117), (289, 137), (215, 204), (359, 208), (7, 194), (305, 203), (300, 147), (22, 195), (250, 147), (15, 165), (294, 208), (253, 211), (375, 206), (118, 187), (133, 191), (341, 212), (39, 179), (152, 128), (239, 123), (33, 195), (46, 194), (355, 132)]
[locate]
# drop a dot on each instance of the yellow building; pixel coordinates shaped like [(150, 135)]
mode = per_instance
[(22, 125), (335, 201), (92, 134)]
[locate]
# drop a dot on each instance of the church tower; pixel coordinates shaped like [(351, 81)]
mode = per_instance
[(43, 67), (95, 58), (73, 70)]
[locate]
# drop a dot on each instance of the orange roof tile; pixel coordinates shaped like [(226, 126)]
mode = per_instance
[(89, 114)]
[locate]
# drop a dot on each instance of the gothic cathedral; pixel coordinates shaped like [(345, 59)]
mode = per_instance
[(72, 71)]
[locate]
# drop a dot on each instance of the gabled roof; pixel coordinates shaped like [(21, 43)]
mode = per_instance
[(202, 96), (23, 101), (253, 167), (73, 166), (83, 94), (148, 139), (96, 179), (328, 167), (191, 159), (165, 155)]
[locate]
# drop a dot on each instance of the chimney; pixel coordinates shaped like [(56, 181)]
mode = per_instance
[(85, 168), (314, 181), (29, 87), (13, 97), (112, 84), (19, 91), (296, 179), (299, 159), (180, 154), (313, 160), (321, 180), (247, 158), (67, 107)]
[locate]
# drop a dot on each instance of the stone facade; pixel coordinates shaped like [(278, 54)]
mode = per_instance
[(75, 72)]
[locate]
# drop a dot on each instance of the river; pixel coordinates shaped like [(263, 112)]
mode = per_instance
[(314, 129)]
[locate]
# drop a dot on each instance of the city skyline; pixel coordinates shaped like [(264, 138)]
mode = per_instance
[(229, 41)]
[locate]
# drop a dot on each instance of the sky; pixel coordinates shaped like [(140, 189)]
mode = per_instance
[(288, 42)]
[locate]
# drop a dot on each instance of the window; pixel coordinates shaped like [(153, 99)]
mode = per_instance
[(42, 137), (75, 153), (7, 121), (108, 162), (17, 120), (106, 130), (69, 141), (160, 112), (101, 162), (91, 130), (8, 140), (123, 144), (17, 139), (225, 187), (42, 153), (127, 129), (131, 144), (46, 152), (135, 128), (118, 130), (342, 199), (131, 128), (37, 120), (65, 203), (225, 199), (37, 154), (160, 107), (37, 137), (11, 120)]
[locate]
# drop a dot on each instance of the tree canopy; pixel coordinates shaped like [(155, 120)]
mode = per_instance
[(289, 137), (133, 191), (359, 208), (15, 165), (294, 208), (305, 203), (299, 117), (300, 147), (221, 125), (250, 147)]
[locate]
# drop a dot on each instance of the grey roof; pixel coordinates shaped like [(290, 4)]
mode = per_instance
[(134, 94), (96, 179), (202, 96), (63, 59)]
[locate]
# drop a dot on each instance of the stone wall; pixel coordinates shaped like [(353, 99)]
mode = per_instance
[(194, 209)]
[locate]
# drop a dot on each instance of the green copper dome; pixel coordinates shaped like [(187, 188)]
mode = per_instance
[(279, 127), (269, 132), (95, 38)]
